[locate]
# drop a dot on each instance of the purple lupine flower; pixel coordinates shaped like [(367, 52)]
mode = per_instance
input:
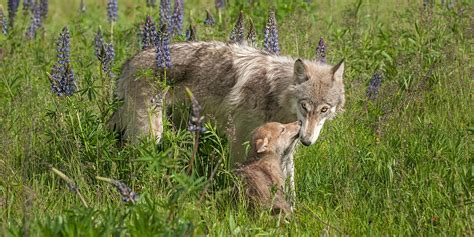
[(374, 85), (177, 18), (127, 194), (163, 54), (237, 34), (191, 33), (98, 43), (151, 3), (252, 35), (105, 53), (44, 5), (62, 75), (27, 6), (12, 9), (3, 22), (209, 19), (35, 22), (321, 51), (150, 37), (112, 10), (220, 4), (165, 13), (270, 42)]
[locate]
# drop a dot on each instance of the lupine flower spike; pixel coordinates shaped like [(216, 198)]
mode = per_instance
[(163, 54), (219, 4), (150, 37), (252, 35), (270, 42), (151, 3), (321, 51), (209, 19), (165, 12), (44, 5), (62, 75), (374, 85), (177, 18), (12, 9), (237, 34), (27, 6), (112, 10), (195, 125), (128, 196), (3, 22), (105, 53), (35, 22), (191, 33)]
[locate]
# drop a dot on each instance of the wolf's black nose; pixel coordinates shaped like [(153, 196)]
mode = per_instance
[(306, 143)]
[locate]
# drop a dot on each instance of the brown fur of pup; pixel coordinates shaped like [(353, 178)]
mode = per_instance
[(262, 176)]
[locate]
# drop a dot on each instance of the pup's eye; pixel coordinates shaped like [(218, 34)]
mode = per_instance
[(283, 129), (305, 106), (324, 109)]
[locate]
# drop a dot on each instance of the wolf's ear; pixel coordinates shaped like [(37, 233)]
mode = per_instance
[(338, 71), (261, 145), (300, 71)]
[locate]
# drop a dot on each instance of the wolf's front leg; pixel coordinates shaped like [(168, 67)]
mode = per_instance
[(289, 175)]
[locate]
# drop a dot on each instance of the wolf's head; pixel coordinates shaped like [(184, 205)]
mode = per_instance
[(319, 94)]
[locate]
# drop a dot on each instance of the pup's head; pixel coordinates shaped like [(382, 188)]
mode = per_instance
[(318, 95), (274, 137)]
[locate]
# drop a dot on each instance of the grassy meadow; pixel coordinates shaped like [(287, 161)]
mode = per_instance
[(400, 164)]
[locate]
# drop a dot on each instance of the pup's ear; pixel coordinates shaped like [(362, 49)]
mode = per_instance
[(338, 71), (300, 71), (261, 145)]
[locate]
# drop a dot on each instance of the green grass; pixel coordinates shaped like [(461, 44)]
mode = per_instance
[(398, 165)]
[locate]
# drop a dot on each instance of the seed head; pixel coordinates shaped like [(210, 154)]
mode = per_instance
[(62, 75), (374, 85), (321, 51), (150, 37), (112, 10), (177, 19), (191, 33), (270, 42), (82, 6), (237, 34), (209, 19)]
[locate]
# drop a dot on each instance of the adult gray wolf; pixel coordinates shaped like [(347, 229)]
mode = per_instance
[(235, 82)]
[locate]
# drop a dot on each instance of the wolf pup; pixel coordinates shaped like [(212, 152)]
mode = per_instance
[(263, 176), (232, 82)]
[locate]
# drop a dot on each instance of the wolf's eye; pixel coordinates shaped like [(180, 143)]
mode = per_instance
[(324, 109), (283, 130)]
